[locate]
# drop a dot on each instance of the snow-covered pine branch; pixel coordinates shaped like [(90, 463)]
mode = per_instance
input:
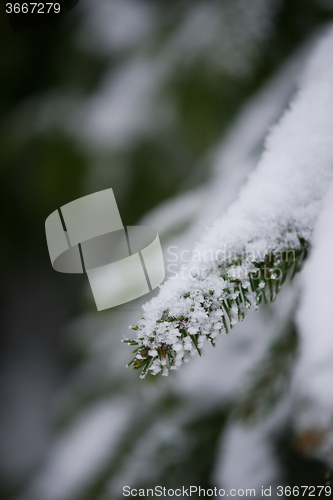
[(248, 253)]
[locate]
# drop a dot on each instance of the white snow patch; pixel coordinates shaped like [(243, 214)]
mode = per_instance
[(313, 379)]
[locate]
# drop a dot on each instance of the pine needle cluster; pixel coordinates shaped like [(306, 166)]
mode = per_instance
[(238, 287)]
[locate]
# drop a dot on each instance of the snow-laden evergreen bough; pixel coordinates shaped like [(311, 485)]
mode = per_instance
[(262, 240)]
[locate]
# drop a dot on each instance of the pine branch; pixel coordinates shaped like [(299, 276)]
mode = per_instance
[(213, 306), (275, 215)]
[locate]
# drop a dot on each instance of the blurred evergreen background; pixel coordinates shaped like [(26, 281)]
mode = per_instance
[(133, 95)]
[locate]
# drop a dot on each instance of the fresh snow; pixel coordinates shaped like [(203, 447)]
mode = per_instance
[(278, 206)]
